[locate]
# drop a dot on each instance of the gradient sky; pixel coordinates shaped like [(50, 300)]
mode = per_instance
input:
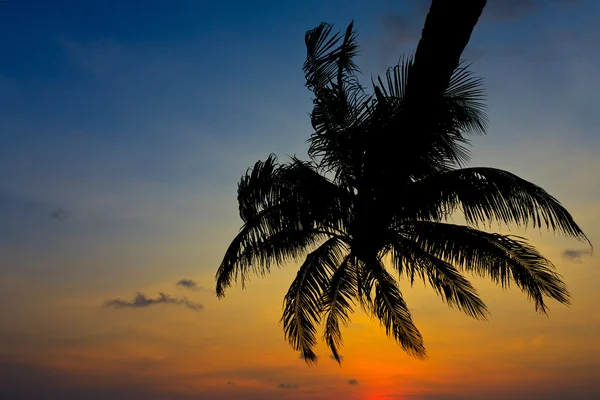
[(124, 127)]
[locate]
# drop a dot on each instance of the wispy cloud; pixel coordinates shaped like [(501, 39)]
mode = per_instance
[(59, 214), (192, 285), (141, 301), (287, 386), (230, 383), (575, 255), (352, 382)]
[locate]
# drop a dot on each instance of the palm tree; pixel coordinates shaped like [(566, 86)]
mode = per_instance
[(372, 204)]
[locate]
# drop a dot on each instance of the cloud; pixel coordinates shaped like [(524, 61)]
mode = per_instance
[(141, 301), (287, 386), (230, 383), (188, 283), (192, 285), (575, 255), (59, 214), (352, 382)]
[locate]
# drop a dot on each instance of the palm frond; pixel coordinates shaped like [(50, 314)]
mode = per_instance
[(391, 310), (503, 258), (325, 204), (464, 101), (460, 111), (338, 118), (365, 286), (302, 303), (396, 79), (437, 129), (410, 259), (287, 208), (306, 199), (340, 103), (337, 304), (488, 195), (257, 188), (253, 251), (327, 60)]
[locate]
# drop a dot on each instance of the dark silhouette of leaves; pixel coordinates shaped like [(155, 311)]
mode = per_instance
[(386, 171)]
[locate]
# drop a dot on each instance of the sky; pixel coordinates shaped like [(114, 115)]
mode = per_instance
[(124, 128)]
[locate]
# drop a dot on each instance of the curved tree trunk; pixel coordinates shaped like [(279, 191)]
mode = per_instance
[(446, 32), (445, 35)]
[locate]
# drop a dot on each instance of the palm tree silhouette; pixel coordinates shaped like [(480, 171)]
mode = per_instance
[(385, 172)]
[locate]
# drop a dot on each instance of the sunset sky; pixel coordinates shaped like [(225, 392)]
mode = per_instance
[(124, 128)]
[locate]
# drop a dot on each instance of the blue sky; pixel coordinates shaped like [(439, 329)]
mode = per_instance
[(137, 119)]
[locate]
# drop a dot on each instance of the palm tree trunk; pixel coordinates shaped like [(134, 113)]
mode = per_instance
[(445, 35), (447, 31)]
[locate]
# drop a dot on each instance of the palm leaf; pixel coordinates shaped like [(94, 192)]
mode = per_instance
[(302, 303), (327, 206), (437, 131), (337, 304), (396, 80), (251, 252), (411, 259), (287, 209), (305, 198), (391, 310), (257, 189), (486, 195), (340, 104), (465, 101), (504, 258), (326, 59)]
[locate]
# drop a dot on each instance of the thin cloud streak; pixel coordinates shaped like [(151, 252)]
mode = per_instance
[(141, 301), (575, 255), (287, 386), (59, 214), (192, 285)]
